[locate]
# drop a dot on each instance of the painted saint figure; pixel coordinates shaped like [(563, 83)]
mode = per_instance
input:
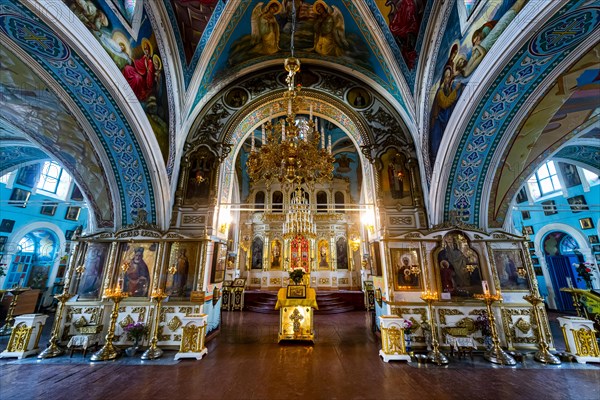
[(180, 275), (330, 37), (265, 28), (137, 276), (144, 75)]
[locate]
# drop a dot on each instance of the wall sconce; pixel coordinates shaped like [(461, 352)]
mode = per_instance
[(368, 220)]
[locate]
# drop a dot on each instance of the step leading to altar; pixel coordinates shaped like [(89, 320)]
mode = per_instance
[(330, 302)]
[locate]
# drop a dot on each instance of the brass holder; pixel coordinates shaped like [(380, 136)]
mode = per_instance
[(154, 352), (10, 319), (543, 354), (109, 351), (495, 355), (435, 355), (53, 349)]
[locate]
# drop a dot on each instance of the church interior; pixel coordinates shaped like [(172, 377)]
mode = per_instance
[(394, 190)]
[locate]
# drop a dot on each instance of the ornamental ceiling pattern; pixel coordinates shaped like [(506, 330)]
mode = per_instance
[(524, 73)]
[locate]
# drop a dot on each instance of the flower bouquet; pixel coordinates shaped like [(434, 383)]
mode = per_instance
[(584, 270), (407, 326), (483, 324), (296, 275), (136, 332)]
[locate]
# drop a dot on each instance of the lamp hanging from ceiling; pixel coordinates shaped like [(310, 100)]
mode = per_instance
[(292, 150)]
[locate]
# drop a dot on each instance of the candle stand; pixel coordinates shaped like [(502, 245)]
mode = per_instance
[(435, 355), (495, 355), (109, 351), (154, 352), (53, 349), (542, 355)]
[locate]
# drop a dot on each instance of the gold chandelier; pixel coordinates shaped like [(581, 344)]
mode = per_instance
[(292, 150), (299, 218)]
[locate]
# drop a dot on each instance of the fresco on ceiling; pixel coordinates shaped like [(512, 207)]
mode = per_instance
[(565, 109), (395, 179), (586, 155), (458, 58), (192, 18), (323, 29), (403, 18), (27, 102), (139, 61)]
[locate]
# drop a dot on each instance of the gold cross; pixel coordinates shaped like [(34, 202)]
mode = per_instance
[(296, 318)]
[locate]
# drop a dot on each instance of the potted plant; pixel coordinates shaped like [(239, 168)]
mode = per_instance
[(135, 332), (296, 275), (407, 327), (483, 324)]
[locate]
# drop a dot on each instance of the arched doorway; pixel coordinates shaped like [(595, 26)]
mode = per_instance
[(561, 250), (32, 264)]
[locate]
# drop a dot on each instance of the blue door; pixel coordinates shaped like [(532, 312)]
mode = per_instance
[(560, 269)]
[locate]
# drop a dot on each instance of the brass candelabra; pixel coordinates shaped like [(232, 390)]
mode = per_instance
[(543, 354), (53, 349), (435, 355), (154, 352), (10, 319), (495, 355), (109, 351)]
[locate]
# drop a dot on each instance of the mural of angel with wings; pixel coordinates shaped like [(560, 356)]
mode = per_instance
[(330, 37), (265, 28)]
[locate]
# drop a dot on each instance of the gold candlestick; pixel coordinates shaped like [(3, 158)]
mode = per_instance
[(10, 319), (542, 355), (154, 352), (435, 355), (495, 355), (109, 351), (53, 349)]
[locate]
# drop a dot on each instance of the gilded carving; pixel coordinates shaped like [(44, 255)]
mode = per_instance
[(344, 281), (275, 281), (174, 323), (255, 281), (186, 310), (81, 321), (141, 311), (443, 312), (323, 281), (523, 325), (392, 340), (19, 338), (585, 343), (126, 321)]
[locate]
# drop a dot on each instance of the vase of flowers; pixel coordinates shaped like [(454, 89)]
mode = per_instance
[(407, 327), (483, 324), (584, 270), (296, 275), (135, 332)]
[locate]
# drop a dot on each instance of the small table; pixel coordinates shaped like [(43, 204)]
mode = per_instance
[(82, 342), (462, 345)]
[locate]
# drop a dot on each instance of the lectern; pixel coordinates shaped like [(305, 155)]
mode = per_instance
[(296, 315)]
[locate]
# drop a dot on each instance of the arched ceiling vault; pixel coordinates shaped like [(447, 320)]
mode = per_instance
[(570, 32), (97, 91)]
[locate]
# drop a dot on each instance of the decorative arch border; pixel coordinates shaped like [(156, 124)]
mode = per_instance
[(271, 107), (511, 89), (65, 66)]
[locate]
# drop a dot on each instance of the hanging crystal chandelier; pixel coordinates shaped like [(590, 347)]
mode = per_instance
[(292, 150), (299, 218)]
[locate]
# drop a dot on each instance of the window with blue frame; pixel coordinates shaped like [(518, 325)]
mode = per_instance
[(50, 177)]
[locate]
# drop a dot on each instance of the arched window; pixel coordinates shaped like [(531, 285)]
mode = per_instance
[(259, 200), (321, 201), (544, 181), (277, 201), (339, 201), (32, 264)]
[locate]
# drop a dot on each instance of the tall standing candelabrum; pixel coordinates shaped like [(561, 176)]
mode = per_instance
[(494, 355), (53, 349), (543, 354), (109, 351), (154, 352), (435, 355), (10, 319)]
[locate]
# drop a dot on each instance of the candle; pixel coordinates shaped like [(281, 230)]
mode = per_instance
[(252, 141), (310, 111), (485, 287), (283, 131), (316, 125), (322, 137), (289, 106), (329, 146), (263, 136), (569, 282)]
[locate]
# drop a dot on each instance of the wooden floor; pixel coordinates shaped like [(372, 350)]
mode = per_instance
[(246, 362)]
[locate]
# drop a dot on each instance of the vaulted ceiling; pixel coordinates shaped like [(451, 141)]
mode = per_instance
[(113, 89)]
